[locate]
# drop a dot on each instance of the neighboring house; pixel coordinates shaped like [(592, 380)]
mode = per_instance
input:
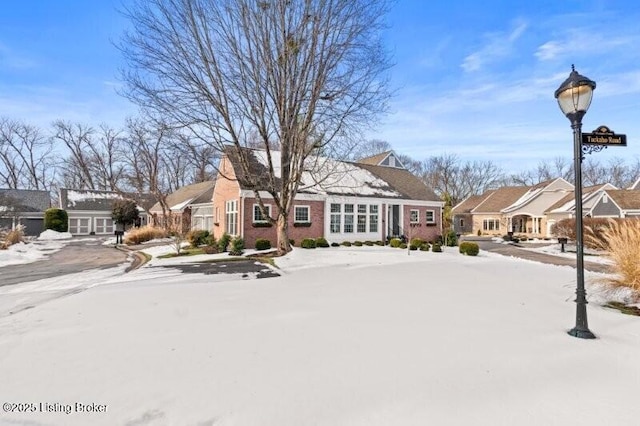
[(24, 207), (90, 210), (373, 199), (636, 185), (518, 209), (566, 207), (189, 207), (620, 203)]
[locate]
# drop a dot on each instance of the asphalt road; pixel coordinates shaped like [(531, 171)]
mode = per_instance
[(75, 257)]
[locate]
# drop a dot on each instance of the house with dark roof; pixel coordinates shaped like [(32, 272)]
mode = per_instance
[(23, 207), (189, 207), (90, 210), (341, 201), (618, 203), (566, 207), (518, 209)]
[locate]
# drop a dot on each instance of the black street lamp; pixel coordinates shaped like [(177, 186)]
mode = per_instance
[(574, 97)]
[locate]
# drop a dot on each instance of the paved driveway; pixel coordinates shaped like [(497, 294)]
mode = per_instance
[(76, 256)]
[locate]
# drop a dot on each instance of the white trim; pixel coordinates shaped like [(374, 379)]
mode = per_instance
[(426, 216), (411, 221), (95, 225), (90, 222), (253, 213), (302, 206), (348, 199)]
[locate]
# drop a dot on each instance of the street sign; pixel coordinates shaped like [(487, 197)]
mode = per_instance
[(603, 136)]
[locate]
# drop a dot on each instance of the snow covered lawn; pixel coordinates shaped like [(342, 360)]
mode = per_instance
[(358, 336)]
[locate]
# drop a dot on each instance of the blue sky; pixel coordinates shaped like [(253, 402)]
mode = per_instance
[(471, 78)]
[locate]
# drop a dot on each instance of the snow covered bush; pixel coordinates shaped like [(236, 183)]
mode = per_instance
[(621, 240), (56, 219)]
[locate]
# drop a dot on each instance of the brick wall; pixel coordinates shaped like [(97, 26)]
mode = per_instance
[(224, 190), (422, 230), (254, 231)]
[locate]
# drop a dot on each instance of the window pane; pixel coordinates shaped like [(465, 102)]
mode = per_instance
[(373, 223), (335, 208), (430, 216), (348, 208), (414, 216), (301, 214), (362, 223), (348, 222), (335, 223), (373, 208), (362, 208)]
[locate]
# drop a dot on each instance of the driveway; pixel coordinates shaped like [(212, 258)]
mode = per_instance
[(76, 256)]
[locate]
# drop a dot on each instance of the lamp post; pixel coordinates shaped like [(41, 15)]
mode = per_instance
[(574, 97)]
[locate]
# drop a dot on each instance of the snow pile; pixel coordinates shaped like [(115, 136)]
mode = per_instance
[(28, 252), (51, 235)]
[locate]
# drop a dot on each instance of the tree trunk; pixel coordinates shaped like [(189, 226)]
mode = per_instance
[(282, 230)]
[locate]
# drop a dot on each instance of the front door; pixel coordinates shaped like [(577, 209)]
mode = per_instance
[(395, 220)]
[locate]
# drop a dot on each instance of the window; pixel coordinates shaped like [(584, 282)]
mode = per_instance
[(362, 218), (490, 225), (348, 223), (197, 223), (334, 226), (208, 223), (257, 213), (301, 214), (231, 216), (430, 216), (104, 225), (461, 223), (373, 218), (414, 216)]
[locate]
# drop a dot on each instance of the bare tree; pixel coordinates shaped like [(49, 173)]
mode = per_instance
[(26, 159), (305, 76)]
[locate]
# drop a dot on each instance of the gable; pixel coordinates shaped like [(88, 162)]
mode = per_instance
[(387, 159)]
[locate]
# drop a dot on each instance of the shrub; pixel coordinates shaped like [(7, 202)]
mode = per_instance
[(395, 242), (403, 245), (621, 240), (346, 243), (223, 242), (197, 237), (357, 243), (594, 229), (451, 239), (263, 244), (237, 247), (479, 232), (13, 237), (308, 243), (211, 249), (436, 248), (424, 247), (146, 233), (379, 243), (335, 244), (124, 211), (413, 247), (211, 241), (416, 242), (321, 242), (56, 219), (469, 248), (368, 243)]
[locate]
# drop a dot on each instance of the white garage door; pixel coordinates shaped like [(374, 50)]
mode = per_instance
[(79, 225)]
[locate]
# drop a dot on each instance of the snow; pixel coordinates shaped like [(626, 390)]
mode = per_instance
[(28, 252), (50, 235), (325, 175), (73, 196), (346, 336)]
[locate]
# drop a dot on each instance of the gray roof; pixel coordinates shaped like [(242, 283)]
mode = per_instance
[(25, 200), (95, 200)]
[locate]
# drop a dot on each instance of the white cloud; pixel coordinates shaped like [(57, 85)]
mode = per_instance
[(586, 42), (499, 45)]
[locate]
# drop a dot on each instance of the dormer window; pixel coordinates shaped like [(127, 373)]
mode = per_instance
[(605, 199), (392, 161)]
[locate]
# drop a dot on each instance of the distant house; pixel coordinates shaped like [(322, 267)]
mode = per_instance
[(566, 207), (189, 207), (90, 210), (372, 199), (620, 203), (518, 209), (23, 207)]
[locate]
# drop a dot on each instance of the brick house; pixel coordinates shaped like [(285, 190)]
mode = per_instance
[(370, 200), (189, 208)]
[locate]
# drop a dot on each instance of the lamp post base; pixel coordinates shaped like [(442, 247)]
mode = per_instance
[(581, 333)]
